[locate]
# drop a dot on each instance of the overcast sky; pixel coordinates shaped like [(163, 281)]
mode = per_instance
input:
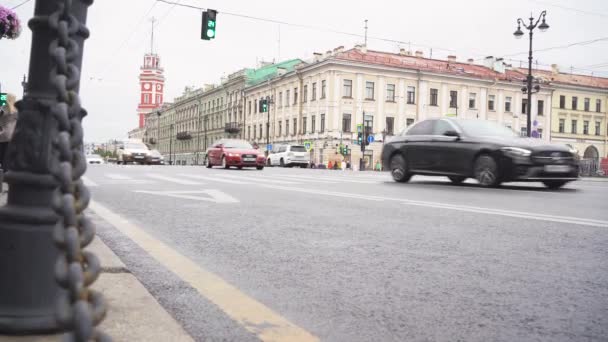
[(120, 35)]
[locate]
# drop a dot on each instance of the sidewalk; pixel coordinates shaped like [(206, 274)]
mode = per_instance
[(133, 313)]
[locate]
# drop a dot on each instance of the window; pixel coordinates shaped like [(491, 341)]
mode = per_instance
[(295, 126), (598, 105), (369, 90), (433, 101), (453, 99), (562, 102), (146, 98), (573, 127), (472, 97), (248, 132), (508, 103), (286, 127), (280, 128), (523, 132), (541, 107), (597, 127), (390, 92), (295, 96), (524, 106), (441, 126), (390, 125), (254, 132), (347, 90), (574, 102), (491, 101), (305, 94), (540, 133), (562, 125), (314, 91), (261, 132), (346, 124), (422, 128), (304, 126), (323, 84), (322, 123), (411, 95), (409, 122), (587, 104), (586, 127), (313, 123), (157, 99), (280, 99), (287, 98)]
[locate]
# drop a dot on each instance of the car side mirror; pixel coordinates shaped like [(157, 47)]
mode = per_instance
[(451, 133)]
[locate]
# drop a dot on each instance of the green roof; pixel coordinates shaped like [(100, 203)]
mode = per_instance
[(269, 71)]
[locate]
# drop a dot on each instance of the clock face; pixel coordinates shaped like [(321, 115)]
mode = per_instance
[(159, 87), (146, 86)]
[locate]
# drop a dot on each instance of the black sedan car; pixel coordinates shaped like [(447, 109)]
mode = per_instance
[(484, 150)]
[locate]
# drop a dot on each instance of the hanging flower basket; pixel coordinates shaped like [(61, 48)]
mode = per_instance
[(10, 27)]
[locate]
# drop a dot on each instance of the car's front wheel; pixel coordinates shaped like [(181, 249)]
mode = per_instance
[(208, 163), (486, 171), (554, 184), (260, 167), (399, 169), (457, 179), (282, 162), (224, 164)]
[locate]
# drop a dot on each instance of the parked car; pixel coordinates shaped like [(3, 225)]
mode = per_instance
[(234, 152), (484, 150), (133, 151), (155, 158), (94, 159), (275, 149), (290, 155)]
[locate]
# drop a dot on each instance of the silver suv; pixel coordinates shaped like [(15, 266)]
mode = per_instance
[(290, 155)]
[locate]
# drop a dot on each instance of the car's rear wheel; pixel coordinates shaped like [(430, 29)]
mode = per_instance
[(224, 164), (239, 167), (268, 162), (457, 179), (486, 171), (554, 184), (399, 169), (282, 162), (208, 163), (260, 167)]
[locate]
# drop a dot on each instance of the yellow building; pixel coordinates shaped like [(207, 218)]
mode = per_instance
[(579, 113)]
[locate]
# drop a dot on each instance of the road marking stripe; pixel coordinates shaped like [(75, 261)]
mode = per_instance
[(172, 179), (258, 178), (117, 176), (305, 179), (257, 318), (215, 179), (472, 209), (212, 195), (88, 182)]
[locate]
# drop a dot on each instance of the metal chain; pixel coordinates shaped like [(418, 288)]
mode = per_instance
[(80, 309)]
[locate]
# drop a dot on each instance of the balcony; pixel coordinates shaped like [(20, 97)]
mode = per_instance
[(232, 128), (185, 135)]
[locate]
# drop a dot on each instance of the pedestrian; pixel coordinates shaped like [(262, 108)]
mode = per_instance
[(378, 166), (348, 166), (330, 165), (8, 121), (343, 165)]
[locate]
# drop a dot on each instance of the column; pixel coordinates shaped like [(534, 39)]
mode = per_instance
[(483, 104), (422, 100), (463, 109), (401, 100), (444, 104), (380, 116)]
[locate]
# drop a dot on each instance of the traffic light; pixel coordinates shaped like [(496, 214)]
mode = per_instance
[(209, 24), (264, 105), (359, 138), (2, 99)]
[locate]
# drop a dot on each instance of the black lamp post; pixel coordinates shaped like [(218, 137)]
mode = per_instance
[(518, 34), (158, 129), (171, 144)]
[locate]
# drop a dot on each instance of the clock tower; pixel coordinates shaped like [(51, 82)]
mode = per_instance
[(151, 86)]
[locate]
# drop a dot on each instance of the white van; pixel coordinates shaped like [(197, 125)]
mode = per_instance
[(290, 155)]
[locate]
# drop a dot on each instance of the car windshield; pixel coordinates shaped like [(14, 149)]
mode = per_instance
[(135, 146), (298, 149), (486, 129), (237, 144)]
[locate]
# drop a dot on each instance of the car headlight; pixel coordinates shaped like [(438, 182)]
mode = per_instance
[(516, 151), (232, 155), (128, 154)]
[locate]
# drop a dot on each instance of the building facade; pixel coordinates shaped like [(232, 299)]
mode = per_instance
[(324, 101)]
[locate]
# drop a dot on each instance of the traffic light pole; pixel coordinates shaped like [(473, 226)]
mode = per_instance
[(267, 127), (362, 161)]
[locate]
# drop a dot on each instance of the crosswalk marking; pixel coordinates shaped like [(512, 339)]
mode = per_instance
[(334, 179), (117, 176), (305, 179), (88, 182), (259, 178), (172, 179), (215, 179)]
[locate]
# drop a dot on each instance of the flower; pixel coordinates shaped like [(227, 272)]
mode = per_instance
[(10, 26)]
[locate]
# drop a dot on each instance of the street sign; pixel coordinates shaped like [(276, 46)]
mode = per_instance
[(308, 145), (370, 139), (269, 147)]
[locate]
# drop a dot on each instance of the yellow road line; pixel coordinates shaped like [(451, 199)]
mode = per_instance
[(260, 320)]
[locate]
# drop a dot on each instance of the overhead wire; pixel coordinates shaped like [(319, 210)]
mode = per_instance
[(21, 4)]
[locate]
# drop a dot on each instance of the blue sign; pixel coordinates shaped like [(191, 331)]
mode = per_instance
[(269, 147), (370, 139), (307, 145)]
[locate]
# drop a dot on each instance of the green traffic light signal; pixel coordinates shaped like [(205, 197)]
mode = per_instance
[(3, 98), (209, 24)]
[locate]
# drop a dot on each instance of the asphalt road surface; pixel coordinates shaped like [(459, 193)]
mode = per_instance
[(301, 254)]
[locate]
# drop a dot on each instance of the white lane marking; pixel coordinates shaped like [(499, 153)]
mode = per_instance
[(117, 176), (88, 182), (129, 182), (305, 179), (472, 209), (172, 179), (258, 319), (216, 179), (212, 195), (258, 178)]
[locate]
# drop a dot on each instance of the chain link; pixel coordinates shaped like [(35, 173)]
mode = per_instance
[(80, 309)]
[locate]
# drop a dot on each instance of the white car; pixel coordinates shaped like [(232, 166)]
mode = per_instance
[(94, 159), (290, 155), (133, 151)]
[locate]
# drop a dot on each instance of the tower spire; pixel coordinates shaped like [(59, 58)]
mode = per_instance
[(153, 20)]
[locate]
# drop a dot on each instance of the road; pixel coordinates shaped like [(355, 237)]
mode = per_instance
[(304, 255)]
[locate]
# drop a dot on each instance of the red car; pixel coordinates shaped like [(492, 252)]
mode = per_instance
[(233, 152)]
